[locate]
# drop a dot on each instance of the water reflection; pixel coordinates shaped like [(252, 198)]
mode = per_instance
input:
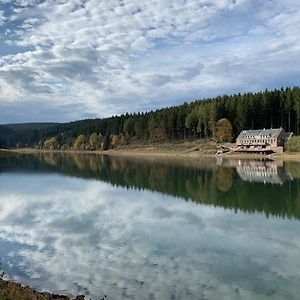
[(83, 234), (266, 171), (271, 187)]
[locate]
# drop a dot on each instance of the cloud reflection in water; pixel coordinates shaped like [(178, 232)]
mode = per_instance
[(67, 234)]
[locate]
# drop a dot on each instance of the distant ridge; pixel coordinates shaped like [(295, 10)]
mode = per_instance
[(9, 133), (19, 127)]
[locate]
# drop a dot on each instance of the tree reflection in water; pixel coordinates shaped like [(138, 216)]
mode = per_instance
[(252, 186)]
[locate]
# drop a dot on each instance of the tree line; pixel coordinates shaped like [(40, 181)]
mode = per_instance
[(198, 119)]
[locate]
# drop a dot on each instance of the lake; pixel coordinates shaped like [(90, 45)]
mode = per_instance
[(151, 229)]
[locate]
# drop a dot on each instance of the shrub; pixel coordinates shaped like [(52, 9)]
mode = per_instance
[(293, 144)]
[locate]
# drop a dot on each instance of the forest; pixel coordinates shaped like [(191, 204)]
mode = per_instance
[(194, 120)]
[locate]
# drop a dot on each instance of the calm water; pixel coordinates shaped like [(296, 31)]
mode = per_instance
[(210, 229)]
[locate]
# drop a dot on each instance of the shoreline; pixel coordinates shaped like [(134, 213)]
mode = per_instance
[(153, 152), (12, 290)]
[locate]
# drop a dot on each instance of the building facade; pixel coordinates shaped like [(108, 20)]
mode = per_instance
[(264, 140)]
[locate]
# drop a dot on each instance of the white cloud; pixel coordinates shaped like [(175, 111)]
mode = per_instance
[(111, 56), (2, 18)]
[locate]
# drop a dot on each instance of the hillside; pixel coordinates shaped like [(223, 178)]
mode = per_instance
[(5, 131), (198, 119), (11, 134), (21, 127)]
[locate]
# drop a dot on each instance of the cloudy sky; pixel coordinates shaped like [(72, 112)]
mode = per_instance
[(69, 59)]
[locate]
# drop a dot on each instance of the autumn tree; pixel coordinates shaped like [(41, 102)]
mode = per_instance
[(80, 142), (50, 144), (115, 140), (223, 131), (95, 141)]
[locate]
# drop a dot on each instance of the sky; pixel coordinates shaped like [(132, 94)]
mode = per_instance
[(63, 60)]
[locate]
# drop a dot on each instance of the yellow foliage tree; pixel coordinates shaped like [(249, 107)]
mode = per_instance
[(50, 144), (223, 131), (95, 141), (80, 142), (115, 140)]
